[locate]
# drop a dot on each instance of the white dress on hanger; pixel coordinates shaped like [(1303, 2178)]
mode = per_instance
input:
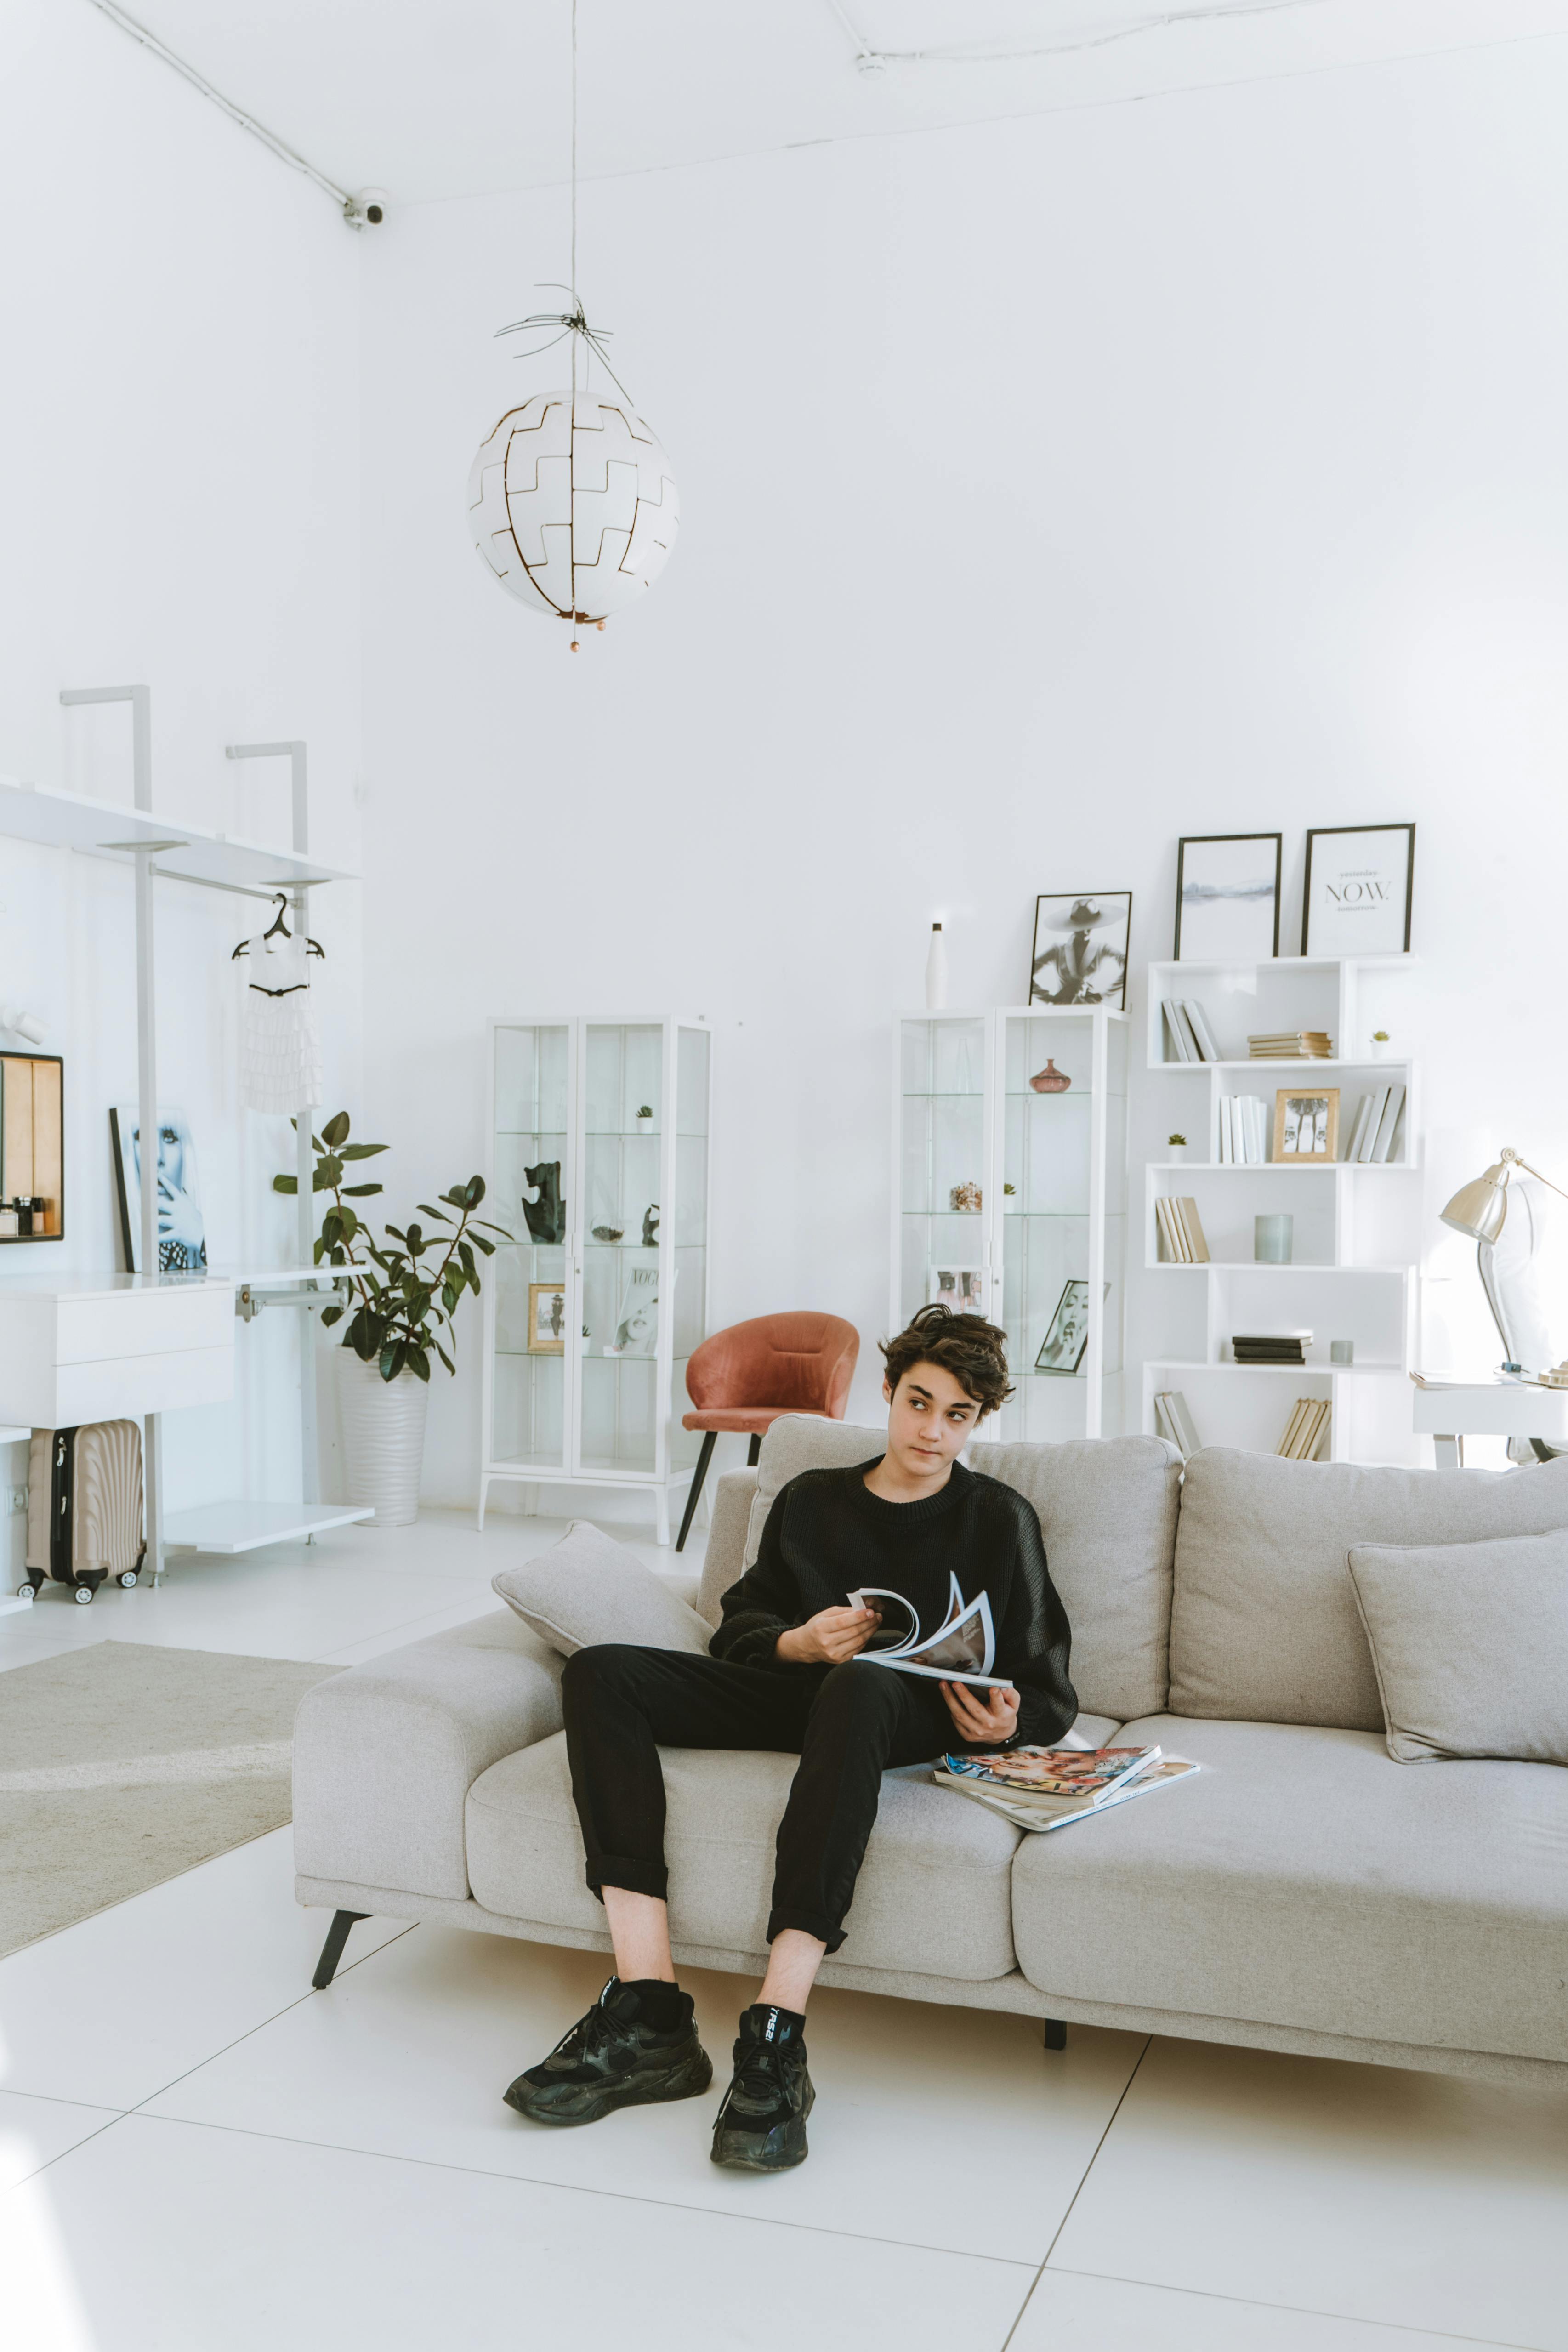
[(280, 1048)]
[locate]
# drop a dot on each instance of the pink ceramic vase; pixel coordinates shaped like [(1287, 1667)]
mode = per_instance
[(1049, 1081)]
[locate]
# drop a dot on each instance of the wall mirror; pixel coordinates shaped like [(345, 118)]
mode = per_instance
[(32, 1146)]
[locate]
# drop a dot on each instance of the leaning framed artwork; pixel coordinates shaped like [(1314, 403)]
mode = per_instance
[(546, 1318), (1227, 896), (181, 1232), (1357, 895), (1081, 947), (1307, 1125), (1061, 1350)]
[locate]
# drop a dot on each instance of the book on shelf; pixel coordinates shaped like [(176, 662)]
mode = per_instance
[(1270, 1346), (1172, 1419), (1180, 1049), (1307, 1430), (1227, 1133), (1388, 1126), (1291, 1045), (1046, 1787), (1185, 1210), (1186, 1027), (1203, 1035), (1244, 1126)]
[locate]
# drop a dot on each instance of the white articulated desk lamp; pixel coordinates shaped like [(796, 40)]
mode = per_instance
[(1518, 1405), (1481, 1209)]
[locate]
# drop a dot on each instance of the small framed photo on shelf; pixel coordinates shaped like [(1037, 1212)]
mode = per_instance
[(1080, 949), (961, 1287), (1307, 1125), (546, 1318), (1356, 896), (1061, 1350), (1227, 896)]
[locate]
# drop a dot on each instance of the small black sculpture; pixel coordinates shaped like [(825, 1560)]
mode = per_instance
[(547, 1215), (650, 1227)]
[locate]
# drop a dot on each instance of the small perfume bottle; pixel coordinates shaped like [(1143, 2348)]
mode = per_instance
[(24, 1213), (10, 1227)]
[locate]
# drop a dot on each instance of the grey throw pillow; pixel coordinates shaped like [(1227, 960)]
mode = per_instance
[(1470, 1644), (588, 1589)]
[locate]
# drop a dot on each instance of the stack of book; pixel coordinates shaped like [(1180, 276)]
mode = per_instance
[(1191, 1037), (1290, 1045), (1172, 1419), (1307, 1430), (1182, 1241), (1246, 1123), (1375, 1125), (1046, 1788), (1271, 1346)]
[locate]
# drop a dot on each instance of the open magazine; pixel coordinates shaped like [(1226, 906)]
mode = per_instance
[(960, 1651), (1046, 1788)]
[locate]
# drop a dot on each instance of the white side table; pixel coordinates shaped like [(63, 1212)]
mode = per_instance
[(1496, 1408)]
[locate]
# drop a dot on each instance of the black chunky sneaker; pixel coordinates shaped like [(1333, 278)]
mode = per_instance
[(761, 2127), (614, 2058)]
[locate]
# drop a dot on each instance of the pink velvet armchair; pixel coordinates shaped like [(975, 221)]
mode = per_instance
[(744, 1378)]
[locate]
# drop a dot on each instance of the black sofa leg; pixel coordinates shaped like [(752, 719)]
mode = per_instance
[(332, 1949), (1055, 2034), (753, 1450), (703, 1459)]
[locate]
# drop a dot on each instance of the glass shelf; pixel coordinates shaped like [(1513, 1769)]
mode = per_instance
[(944, 1094)]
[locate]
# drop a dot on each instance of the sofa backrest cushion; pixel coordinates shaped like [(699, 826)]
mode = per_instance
[(588, 1589), (1263, 1624), (1108, 1512)]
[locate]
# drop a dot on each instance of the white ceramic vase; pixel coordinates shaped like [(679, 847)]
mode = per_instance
[(383, 1439)]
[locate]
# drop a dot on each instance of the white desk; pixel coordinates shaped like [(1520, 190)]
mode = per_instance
[(113, 1346), (1495, 1408)]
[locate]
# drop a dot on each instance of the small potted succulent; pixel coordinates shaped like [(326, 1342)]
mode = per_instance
[(644, 1116), (1382, 1045), (1176, 1147)]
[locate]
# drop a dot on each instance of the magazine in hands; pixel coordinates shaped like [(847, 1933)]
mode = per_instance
[(960, 1651), (1046, 1788)]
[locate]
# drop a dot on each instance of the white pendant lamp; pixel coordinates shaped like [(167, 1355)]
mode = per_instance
[(571, 501)]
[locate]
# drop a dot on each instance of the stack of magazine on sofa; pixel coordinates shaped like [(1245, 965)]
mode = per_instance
[(1046, 1788)]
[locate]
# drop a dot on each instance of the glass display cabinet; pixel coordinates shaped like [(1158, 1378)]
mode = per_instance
[(598, 1166), (1010, 1197)]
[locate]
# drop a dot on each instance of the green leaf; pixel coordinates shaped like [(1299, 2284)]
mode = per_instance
[(320, 1249), (330, 1315), (396, 1232), (445, 1359), (481, 1244), (427, 1211), (285, 1184), (419, 1363), (331, 1226), (474, 1192), (467, 1256), (393, 1359), (328, 1172), (360, 1150), (361, 1192), (336, 1130), (414, 1240)]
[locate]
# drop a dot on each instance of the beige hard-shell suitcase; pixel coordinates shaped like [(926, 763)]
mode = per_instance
[(84, 1506)]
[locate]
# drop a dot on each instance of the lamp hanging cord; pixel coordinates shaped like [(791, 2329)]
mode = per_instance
[(279, 147)]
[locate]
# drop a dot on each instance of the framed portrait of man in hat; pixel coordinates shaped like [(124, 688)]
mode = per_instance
[(1081, 947)]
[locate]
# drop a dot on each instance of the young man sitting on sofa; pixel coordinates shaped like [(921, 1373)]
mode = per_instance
[(780, 1675)]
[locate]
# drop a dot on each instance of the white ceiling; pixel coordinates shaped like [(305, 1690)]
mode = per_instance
[(431, 99)]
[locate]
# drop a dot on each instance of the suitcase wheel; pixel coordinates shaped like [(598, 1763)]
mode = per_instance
[(82, 1595), (128, 1580), (29, 1592)]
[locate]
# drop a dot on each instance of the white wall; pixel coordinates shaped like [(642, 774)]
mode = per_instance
[(180, 419)]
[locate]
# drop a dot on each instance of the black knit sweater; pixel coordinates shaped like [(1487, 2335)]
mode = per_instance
[(827, 1534)]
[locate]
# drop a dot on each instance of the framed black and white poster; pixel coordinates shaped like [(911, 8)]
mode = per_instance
[(1081, 947), (1061, 1350), (637, 1326), (181, 1233), (959, 1288), (1356, 898), (1227, 896)]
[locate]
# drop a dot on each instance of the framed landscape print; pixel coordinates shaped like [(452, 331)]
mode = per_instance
[(1356, 898), (1227, 896), (1080, 949), (1307, 1124)]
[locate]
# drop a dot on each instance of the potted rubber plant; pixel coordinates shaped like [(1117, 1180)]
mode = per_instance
[(399, 1294)]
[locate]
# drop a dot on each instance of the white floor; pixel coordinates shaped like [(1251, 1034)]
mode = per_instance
[(198, 2154)]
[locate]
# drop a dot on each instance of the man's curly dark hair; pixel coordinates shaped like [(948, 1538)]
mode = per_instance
[(973, 1350)]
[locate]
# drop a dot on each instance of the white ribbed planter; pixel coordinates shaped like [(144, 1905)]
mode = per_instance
[(383, 1439)]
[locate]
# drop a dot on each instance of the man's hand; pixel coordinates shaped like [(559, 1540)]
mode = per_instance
[(983, 1726), (828, 1638)]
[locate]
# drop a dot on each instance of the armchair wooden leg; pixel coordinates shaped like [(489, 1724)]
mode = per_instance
[(753, 1450), (1055, 2034), (332, 1949), (703, 1459)]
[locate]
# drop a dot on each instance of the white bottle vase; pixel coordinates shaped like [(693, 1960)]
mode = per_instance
[(936, 970), (383, 1439)]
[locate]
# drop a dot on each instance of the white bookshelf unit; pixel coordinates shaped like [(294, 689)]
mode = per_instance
[(1051, 1170), (1357, 1226)]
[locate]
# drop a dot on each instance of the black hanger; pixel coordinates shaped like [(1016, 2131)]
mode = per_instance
[(312, 946)]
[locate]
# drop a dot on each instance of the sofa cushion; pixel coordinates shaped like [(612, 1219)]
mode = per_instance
[(1108, 1512), (1303, 1878), (935, 1892), (1470, 1644), (588, 1589), (1264, 1623)]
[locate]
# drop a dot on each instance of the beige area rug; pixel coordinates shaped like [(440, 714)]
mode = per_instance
[(122, 1765)]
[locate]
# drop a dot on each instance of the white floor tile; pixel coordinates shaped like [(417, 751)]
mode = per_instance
[(116, 2007), (1066, 2308), (411, 2054), (33, 2132), (161, 2237), (1417, 2200)]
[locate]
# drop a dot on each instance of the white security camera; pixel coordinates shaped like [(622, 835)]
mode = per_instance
[(366, 209)]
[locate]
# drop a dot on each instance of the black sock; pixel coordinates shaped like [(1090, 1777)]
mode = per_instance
[(786, 2024), (663, 2006)]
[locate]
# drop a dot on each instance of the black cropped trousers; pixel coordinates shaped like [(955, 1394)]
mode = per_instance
[(848, 1724)]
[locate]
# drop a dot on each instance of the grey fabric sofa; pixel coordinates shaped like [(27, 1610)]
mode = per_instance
[(1303, 1892)]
